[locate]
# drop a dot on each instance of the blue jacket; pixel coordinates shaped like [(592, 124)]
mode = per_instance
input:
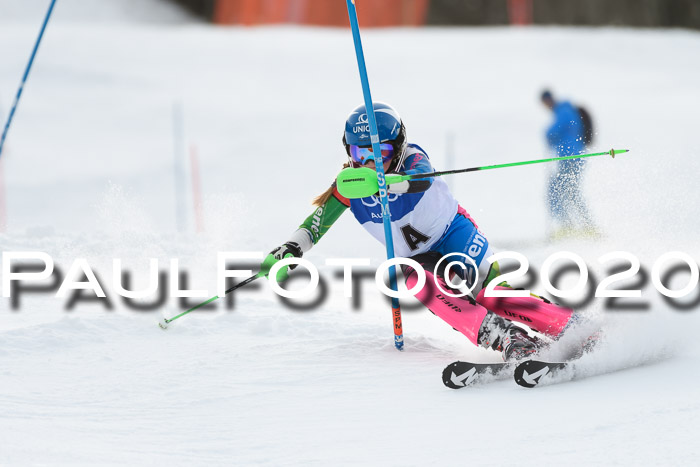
[(565, 135)]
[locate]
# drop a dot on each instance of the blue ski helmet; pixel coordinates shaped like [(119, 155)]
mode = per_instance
[(391, 130)]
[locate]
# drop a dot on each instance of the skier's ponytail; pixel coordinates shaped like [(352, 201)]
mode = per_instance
[(323, 198)]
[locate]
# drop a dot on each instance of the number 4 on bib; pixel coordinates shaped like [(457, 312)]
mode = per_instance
[(413, 237)]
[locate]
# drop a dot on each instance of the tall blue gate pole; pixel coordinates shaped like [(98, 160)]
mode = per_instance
[(383, 198), (26, 74)]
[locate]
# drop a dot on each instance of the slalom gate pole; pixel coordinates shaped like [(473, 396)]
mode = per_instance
[(179, 162), (26, 74), (383, 195), (165, 321)]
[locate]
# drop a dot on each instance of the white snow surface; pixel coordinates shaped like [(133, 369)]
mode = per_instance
[(88, 171)]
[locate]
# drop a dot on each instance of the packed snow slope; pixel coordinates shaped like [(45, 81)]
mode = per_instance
[(89, 173)]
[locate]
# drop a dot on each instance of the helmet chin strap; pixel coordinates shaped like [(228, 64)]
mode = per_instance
[(395, 164), (397, 161)]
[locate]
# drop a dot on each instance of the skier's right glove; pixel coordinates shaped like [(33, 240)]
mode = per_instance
[(288, 250)]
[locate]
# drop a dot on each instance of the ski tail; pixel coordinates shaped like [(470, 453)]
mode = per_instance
[(531, 373), (458, 374)]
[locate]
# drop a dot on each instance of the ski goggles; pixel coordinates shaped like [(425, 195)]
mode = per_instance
[(361, 155)]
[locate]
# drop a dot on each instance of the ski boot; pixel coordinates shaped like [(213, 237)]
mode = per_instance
[(503, 335)]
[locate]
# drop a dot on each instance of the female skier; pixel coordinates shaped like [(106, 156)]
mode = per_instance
[(427, 223)]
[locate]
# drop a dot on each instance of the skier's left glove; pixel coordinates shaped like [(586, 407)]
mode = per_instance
[(408, 186), (401, 187), (287, 250)]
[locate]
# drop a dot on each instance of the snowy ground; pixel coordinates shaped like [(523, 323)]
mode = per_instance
[(88, 173)]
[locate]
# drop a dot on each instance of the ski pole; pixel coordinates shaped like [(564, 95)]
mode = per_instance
[(379, 174), (26, 74), (362, 182), (163, 323)]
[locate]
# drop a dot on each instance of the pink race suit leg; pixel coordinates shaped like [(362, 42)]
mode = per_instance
[(462, 314), (535, 312)]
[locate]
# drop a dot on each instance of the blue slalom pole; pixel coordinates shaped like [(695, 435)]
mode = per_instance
[(383, 195), (26, 74)]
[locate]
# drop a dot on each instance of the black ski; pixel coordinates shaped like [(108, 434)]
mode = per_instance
[(530, 373), (457, 375)]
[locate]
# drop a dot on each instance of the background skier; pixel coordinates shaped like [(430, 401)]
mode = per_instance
[(568, 135)]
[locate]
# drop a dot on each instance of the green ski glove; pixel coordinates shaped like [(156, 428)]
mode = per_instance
[(288, 250)]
